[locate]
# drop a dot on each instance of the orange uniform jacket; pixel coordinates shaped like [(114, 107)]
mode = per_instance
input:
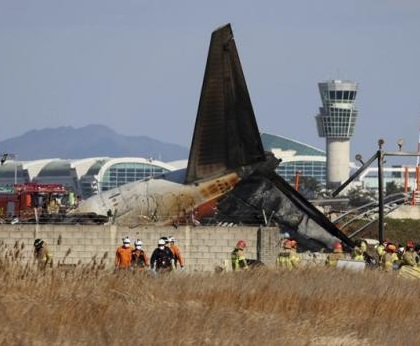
[(123, 257), (177, 255)]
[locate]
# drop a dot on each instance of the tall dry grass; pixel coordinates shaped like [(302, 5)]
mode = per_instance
[(88, 305)]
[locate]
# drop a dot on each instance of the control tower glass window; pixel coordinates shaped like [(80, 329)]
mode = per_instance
[(338, 114)]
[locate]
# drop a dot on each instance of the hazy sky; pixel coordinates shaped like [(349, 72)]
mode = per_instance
[(137, 66)]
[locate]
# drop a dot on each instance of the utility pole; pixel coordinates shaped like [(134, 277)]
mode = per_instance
[(380, 155)]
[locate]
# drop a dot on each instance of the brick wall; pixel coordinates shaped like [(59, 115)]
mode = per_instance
[(203, 248)]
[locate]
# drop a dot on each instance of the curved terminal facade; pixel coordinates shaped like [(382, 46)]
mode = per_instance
[(84, 177), (336, 122), (296, 158), (108, 174)]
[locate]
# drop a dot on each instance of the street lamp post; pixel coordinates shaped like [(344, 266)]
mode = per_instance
[(380, 155)]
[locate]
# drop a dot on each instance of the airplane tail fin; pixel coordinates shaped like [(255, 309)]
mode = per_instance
[(226, 134)]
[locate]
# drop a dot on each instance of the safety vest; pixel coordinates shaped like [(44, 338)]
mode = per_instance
[(388, 260), (358, 254), (409, 258), (238, 260), (380, 250), (332, 259), (288, 259)]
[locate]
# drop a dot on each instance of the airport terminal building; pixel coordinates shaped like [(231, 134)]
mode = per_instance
[(296, 157), (89, 176), (84, 177)]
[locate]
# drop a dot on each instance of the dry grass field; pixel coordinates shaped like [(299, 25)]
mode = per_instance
[(88, 305)]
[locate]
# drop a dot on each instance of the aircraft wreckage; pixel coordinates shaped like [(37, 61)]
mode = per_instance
[(229, 175)]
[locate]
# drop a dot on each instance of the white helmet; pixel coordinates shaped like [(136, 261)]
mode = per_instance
[(138, 243), (171, 239), (161, 242), (126, 240)]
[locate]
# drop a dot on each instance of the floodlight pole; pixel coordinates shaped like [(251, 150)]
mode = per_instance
[(380, 155)]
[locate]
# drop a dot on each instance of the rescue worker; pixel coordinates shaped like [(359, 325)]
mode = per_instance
[(337, 254), (400, 253), (168, 247), (380, 251), (176, 252), (71, 199), (390, 258), (53, 206), (359, 251), (139, 259), (409, 256), (42, 254), (123, 255), (162, 260), (238, 258), (288, 258)]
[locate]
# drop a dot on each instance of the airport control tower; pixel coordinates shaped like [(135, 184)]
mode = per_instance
[(336, 121)]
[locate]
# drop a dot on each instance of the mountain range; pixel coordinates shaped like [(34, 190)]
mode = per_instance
[(89, 141)]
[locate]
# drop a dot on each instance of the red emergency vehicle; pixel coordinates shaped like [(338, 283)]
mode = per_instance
[(31, 201)]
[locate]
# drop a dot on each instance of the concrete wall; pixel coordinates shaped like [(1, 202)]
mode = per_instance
[(203, 248)]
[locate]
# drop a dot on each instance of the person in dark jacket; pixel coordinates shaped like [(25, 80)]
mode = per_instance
[(162, 260)]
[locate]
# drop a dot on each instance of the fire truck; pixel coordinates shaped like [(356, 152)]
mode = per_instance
[(33, 202)]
